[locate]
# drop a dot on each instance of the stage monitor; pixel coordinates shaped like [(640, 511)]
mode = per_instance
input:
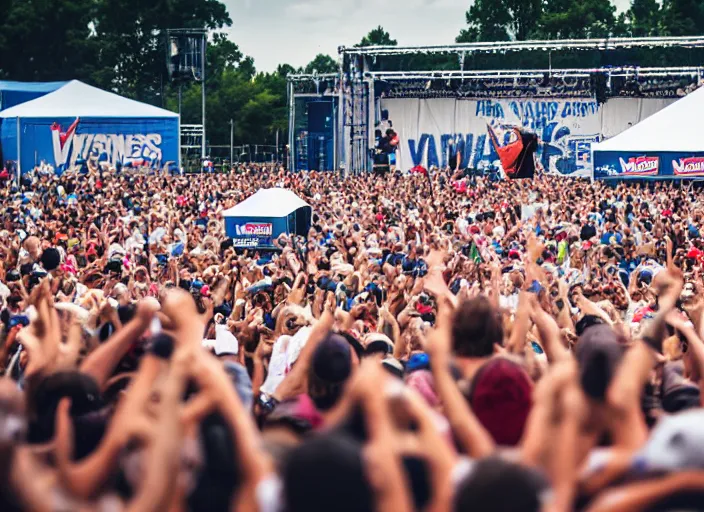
[(185, 56)]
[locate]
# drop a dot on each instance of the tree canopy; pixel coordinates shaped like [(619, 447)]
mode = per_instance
[(378, 37), (119, 46), (502, 20)]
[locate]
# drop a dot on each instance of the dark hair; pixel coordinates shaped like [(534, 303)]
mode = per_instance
[(485, 487), (327, 473), (476, 327), (221, 475), (325, 394), (81, 388)]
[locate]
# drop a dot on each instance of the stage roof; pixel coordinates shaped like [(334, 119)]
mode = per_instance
[(671, 129), (268, 202), (77, 99)]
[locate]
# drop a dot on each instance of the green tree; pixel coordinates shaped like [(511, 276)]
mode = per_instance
[(322, 64), (255, 101), (40, 40), (222, 54), (572, 19), (491, 20), (285, 69), (131, 34), (378, 37), (643, 18), (682, 17)]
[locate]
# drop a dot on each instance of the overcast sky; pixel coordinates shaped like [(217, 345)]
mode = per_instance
[(295, 31)]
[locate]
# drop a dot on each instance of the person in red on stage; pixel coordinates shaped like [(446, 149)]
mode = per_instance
[(516, 155)]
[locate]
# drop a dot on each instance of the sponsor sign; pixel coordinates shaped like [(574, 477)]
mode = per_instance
[(253, 234), (245, 242), (640, 166), (254, 229), (128, 150), (693, 166)]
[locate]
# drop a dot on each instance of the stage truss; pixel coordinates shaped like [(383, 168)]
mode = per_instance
[(311, 85), (357, 111)]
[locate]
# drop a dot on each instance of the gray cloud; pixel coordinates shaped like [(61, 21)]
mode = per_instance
[(294, 31)]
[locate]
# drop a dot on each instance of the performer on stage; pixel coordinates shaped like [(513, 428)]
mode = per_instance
[(515, 147), (385, 152)]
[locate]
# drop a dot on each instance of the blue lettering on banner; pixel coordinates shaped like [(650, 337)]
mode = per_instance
[(432, 153), (489, 108), (418, 151), (136, 149), (561, 151), (579, 109)]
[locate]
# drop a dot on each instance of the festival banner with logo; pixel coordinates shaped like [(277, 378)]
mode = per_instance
[(253, 234), (430, 129), (689, 167), (640, 166), (256, 232), (67, 143), (614, 164)]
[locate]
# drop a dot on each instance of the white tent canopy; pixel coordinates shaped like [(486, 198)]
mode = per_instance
[(76, 99), (267, 202), (667, 130)]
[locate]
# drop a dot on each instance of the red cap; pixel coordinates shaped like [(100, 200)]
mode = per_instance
[(694, 253), (501, 399)]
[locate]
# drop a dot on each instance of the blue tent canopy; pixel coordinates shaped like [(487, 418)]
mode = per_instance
[(260, 219), (78, 122), (14, 93)]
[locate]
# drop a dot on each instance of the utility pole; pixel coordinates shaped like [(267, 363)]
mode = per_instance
[(232, 142), (205, 42), (180, 94)]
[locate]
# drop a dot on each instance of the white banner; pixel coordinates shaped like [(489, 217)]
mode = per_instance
[(566, 128)]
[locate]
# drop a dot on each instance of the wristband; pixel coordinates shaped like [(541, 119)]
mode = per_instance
[(267, 403)]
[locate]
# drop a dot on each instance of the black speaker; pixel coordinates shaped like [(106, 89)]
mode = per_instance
[(319, 116)]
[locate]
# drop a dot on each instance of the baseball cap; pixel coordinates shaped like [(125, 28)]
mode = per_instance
[(598, 355), (332, 359), (501, 399), (675, 444), (378, 343), (678, 393), (330, 368)]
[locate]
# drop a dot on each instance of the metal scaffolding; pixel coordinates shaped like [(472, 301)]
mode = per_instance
[(537, 45), (312, 85), (359, 105), (625, 71)]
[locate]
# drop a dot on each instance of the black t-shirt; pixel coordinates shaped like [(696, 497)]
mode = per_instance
[(588, 231)]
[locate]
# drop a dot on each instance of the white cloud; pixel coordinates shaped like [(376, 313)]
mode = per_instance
[(312, 12), (294, 31)]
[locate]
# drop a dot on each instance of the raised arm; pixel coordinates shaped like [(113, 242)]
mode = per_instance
[(469, 431), (163, 454), (549, 334), (294, 382), (102, 361), (623, 396)]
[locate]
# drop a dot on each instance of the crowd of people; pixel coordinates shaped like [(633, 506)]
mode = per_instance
[(436, 343)]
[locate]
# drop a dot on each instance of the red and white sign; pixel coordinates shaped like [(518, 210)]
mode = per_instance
[(693, 166), (254, 229), (640, 166)]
